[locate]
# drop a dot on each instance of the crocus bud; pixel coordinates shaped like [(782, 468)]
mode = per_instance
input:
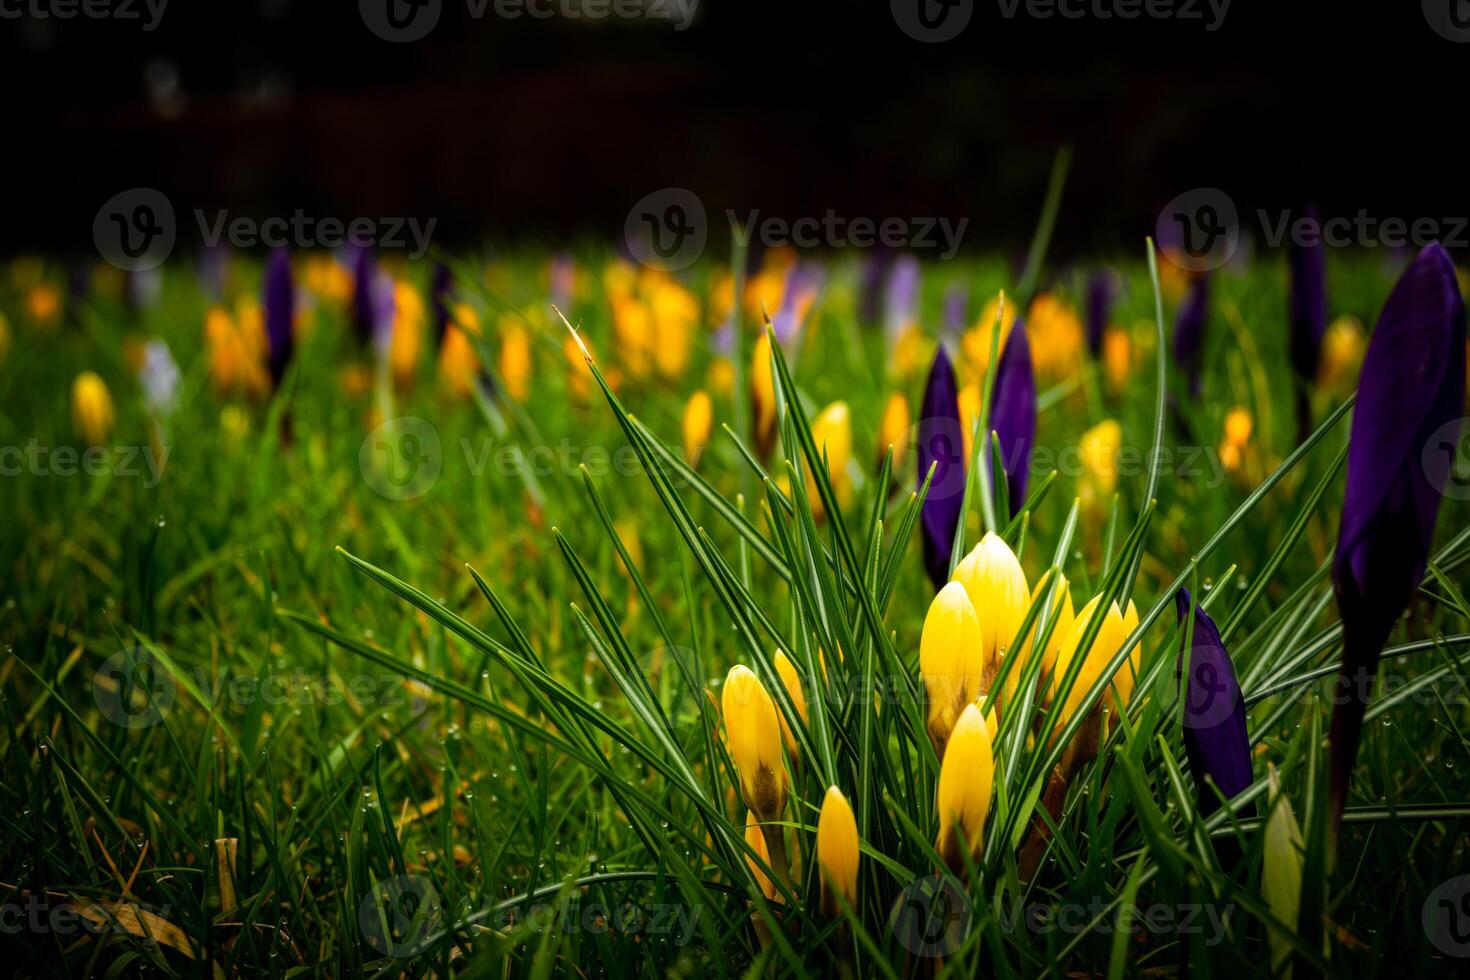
[(1411, 390), (951, 661), (1062, 614), (675, 318), (791, 680), (1308, 300), (280, 314), (1235, 439), (407, 339), (832, 434), (963, 797), (1013, 415), (837, 850), (763, 395), (1098, 449), (698, 419), (1215, 738), (893, 428), (993, 577), (757, 841), (459, 365), (1114, 631), (1189, 333), (753, 734), (515, 359), (1342, 352), (91, 408), (1117, 357), (1056, 338), (941, 442), (1102, 290)]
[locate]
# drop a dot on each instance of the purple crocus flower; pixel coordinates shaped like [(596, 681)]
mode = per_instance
[(1102, 291), (280, 311), (942, 445), (1189, 332), (1013, 413), (563, 277), (901, 297), (803, 283), (956, 306), (364, 286), (1308, 300), (1404, 439), (441, 296), (870, 284), (1215, 737)]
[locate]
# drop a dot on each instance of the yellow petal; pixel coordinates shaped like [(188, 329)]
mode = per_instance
[(963, 797), (698, 420), (753, 735), (791, 680), (951, 660), (837, 845)]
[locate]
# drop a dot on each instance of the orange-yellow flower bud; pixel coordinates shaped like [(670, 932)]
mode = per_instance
[(753, 735), (966, 777), (837, 849)]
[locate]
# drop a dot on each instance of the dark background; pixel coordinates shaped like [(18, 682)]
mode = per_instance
[(509, 130)]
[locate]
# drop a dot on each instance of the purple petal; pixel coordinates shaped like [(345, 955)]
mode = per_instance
[(1102, 291), (1308, 300), (1410, 395), (1215, 737), (941, 444), (1189, 332), (280, 312), (1013, 413), (901, 296), (870, 284), (956, 302), (364, 304), (441, 298)]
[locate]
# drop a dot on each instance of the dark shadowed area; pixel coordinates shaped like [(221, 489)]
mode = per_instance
[(509, 127)]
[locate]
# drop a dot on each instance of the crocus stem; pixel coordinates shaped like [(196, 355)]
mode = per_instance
[(775, 836)]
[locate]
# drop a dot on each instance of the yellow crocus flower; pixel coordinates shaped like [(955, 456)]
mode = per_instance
[(951, 661), (893, 429), (697, 422), (837, 850), (832, 434), (753, 735), (91, 408), (966, 777), (996, 584)]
